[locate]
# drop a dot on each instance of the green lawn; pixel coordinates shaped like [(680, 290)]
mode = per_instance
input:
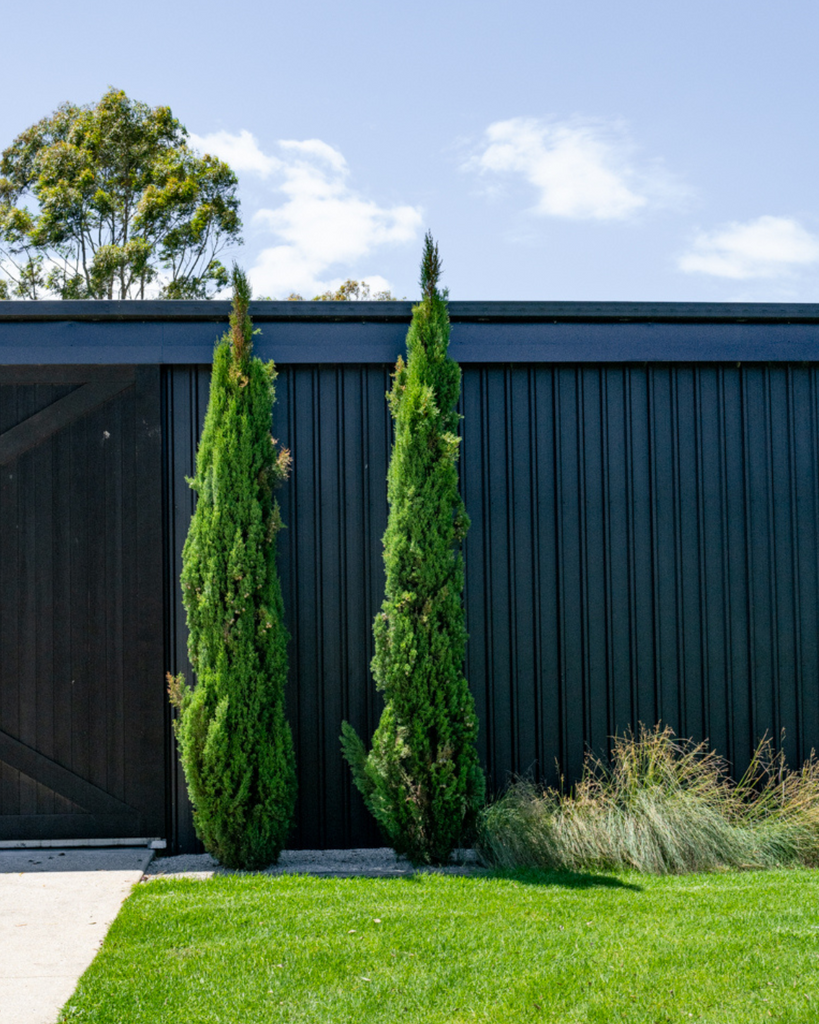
[(723, 948)]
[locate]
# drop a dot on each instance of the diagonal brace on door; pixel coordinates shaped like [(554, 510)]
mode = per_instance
[(63, 781), (39, 427)]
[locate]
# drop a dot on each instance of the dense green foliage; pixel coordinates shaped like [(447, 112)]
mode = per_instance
[(422, 780), (235, 742), (732, 948), (348, 291), (107, 201), (354, 291), (662, 805)]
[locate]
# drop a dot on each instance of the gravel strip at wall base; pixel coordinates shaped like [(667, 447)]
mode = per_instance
[(365, 863)]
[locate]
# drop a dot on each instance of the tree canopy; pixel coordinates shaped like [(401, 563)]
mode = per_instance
[(349, 291), (354, 291), (108, 201)]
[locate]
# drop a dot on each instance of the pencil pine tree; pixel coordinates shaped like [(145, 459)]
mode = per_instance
[(235, 743), (422, 780)]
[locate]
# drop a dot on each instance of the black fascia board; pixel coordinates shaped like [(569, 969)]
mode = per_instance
[(100, 333), (217, 311)]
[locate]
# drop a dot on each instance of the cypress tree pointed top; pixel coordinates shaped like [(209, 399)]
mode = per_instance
[(431, 268), (241, 327), (237, 749), (422, 779)]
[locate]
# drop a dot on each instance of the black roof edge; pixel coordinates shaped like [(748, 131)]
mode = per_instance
[(216, 311)]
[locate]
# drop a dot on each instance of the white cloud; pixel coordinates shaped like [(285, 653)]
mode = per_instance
[(318, 149), (765, 247), (580, 169), (322, 224), (240, 151)]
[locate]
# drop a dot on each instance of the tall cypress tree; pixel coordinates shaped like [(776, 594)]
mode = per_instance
[(235, 743), (422, 780)]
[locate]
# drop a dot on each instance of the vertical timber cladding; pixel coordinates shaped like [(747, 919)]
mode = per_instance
[(81, 603), (335, 421), (644, 547)]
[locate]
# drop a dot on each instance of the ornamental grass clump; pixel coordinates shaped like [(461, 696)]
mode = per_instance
[(235, 742), (422, 781), (781, 806), (663, 805)]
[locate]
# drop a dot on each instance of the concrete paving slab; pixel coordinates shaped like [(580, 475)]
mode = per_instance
[(55, 908)]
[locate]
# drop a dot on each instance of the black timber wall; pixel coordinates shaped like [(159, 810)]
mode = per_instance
[(82, 725), (643, 484), (335, 421)]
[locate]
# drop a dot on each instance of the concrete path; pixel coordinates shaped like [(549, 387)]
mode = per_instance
[(55, 908)]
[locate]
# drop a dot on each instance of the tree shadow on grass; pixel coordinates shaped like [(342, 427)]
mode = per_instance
[(538, 876), (562, 879)]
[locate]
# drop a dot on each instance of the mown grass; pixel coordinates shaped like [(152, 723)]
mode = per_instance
[(737, 947)]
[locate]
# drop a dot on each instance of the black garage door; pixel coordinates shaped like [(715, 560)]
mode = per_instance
[(81, 620)]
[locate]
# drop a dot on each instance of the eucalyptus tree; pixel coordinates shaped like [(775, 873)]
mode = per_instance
[(348, 291), (108, 201)]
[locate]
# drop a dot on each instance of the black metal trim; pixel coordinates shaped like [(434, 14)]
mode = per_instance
[(216, 311)]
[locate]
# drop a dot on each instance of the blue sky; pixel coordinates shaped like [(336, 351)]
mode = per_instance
[(592, 150)]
